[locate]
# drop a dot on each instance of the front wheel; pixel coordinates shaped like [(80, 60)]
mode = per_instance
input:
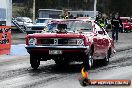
[(88, 61), (105, 61), (34, 61)]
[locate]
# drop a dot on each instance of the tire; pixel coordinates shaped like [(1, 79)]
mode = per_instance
[(34, 61), (105, 61), (88, 60), (121, 30), (125, 30)]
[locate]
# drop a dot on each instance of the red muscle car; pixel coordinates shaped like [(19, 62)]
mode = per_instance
[(70, 40)]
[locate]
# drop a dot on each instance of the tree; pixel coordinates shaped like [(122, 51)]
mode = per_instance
[(106, 6), (24, 8)]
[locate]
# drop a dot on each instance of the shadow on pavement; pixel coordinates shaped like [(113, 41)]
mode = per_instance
[(63, 69)]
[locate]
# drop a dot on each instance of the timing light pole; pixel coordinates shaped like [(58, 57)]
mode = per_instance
[(95, 4), (68, 4), (33, 11)]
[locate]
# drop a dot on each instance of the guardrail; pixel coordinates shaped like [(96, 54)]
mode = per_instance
[(18, 26)]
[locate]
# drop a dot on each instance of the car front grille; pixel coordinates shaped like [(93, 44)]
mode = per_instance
[(57, 41)]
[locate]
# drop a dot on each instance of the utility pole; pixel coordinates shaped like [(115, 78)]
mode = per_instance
[(95, 4), (68, 4), (33, 11)]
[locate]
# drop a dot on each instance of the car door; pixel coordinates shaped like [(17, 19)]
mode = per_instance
[(101, 41)]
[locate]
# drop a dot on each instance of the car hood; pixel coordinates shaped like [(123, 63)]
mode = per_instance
[(57, 35)]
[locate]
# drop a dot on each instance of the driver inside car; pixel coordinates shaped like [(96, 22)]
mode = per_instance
[(61, 28)]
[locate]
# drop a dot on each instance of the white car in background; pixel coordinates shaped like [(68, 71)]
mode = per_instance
[(23, 21), (38, 26), (42, 21)]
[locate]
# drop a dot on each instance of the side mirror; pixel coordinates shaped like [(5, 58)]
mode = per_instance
[(101, 32)]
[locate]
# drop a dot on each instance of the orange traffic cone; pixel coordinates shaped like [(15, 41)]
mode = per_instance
[(84, 73), (84, 80)]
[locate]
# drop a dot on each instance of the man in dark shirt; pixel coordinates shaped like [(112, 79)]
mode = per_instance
[(116, 24)]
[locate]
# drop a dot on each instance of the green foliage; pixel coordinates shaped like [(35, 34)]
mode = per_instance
[(22, 8), (122, 6), (107, 6), (24, 12)]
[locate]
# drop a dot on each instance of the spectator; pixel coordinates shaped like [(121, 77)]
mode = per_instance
[(99, 16), (116, 24), (64, 15), (70, 16), (101, 20)]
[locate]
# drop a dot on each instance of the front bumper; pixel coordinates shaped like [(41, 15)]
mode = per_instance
[(73, 52), (57, 47), (44, 50)]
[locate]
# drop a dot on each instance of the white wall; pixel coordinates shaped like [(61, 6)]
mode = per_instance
[(6, 11)]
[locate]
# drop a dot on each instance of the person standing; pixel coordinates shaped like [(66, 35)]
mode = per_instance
[(101, 19), (99, 16), (116, 24), (70, 16), (64, 14)]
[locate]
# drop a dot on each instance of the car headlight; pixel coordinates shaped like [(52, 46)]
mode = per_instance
[(80, 41), (32, 41)]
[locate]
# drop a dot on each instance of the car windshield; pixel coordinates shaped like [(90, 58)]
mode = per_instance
[(71, 26), (53, 25), (83, 26)]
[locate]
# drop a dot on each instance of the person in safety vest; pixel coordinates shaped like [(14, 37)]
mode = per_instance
[(65, 15), (101, 20)]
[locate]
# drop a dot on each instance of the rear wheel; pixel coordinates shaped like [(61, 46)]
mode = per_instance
[(88, 60), (105, 61), (126, 30), (34, 61)]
